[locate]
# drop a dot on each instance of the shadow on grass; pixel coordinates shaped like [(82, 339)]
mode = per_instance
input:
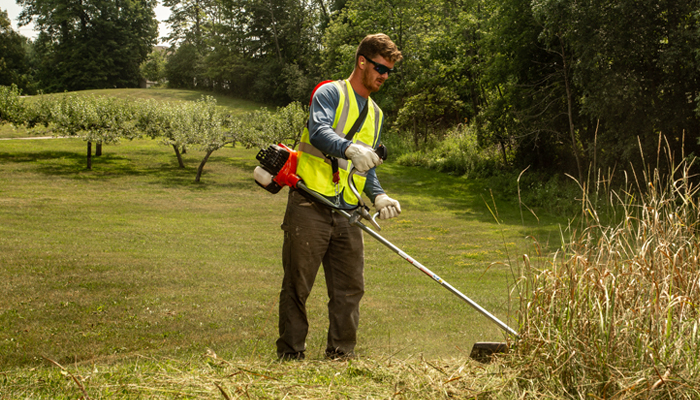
[(72, 165), (467, 199), (423, 190)]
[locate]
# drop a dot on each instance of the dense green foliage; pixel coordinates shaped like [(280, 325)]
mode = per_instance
[(11, 107), (90, 44), (153, 68), (14, 57)]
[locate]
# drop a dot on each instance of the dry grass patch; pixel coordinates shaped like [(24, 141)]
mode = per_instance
[(615, 312)]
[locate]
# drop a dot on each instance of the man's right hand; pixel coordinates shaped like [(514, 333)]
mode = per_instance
[(364, 158)]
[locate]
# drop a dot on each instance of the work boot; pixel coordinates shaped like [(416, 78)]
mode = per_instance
[(339, 355), (298, 356)]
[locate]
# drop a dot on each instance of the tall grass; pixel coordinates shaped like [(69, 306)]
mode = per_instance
[(615, 312)]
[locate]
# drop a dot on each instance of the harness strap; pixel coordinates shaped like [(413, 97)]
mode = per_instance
[(351, 133)]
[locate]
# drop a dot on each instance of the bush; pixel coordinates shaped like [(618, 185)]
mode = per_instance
[(458, 153), (11, 106), (552, 193)]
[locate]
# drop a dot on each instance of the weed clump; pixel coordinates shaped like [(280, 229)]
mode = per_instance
[(615, 312)]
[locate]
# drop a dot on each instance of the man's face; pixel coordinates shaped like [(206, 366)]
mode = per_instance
[(371, 79)]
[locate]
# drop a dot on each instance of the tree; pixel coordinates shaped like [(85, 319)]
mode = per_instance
[(522, 81), (14, 65), (91, 43), (636, 74), (190, 25), (12, 108), (581, 83), (437, 83), (275, 43), (185, 68), (266, 50), (190, 21), (153, 68)]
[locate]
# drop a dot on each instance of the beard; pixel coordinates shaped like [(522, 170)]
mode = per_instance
[(370, 83)]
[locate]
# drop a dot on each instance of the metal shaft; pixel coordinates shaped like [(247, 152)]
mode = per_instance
[(413, 262)]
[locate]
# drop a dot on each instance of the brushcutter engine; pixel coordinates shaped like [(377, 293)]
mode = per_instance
[(278, 168)]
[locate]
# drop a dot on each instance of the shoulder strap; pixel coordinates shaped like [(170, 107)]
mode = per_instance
[(349, 136), (358, 122)]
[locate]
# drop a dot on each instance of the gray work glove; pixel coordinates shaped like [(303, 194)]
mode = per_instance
[(364, 158), (386, 206)]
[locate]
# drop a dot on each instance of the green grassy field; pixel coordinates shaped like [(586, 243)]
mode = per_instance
[(132, 276)]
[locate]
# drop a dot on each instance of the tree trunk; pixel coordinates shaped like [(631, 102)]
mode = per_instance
[(273, 25), (416, 134), (503, 151), (98, 149), (89, 155), (201, 166), (323, 10), (180, 163), (569, 101)]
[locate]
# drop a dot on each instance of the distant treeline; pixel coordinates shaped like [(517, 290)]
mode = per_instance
[(558, 85)]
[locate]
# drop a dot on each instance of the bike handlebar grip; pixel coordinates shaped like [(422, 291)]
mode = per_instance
[(382, 152)]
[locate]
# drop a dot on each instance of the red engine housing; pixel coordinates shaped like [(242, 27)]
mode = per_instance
[(288, 174)]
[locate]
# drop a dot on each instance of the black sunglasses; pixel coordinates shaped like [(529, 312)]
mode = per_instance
[(381, 68)]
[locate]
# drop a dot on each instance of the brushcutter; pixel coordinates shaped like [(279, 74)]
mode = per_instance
[(278, 169)]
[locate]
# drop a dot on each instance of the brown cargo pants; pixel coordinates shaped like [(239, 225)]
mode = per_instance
[(314, 235)]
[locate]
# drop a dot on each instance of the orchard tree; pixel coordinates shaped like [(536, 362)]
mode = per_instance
[(91, 43)]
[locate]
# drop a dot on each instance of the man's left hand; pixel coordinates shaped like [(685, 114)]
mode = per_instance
[(386, 206)]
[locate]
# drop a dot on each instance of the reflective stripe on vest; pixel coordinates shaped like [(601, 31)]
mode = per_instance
[(313, 166)]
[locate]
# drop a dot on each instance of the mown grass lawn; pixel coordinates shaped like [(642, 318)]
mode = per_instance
[(133, 277)]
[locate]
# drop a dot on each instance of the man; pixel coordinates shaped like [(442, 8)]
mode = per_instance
[(313, 233)]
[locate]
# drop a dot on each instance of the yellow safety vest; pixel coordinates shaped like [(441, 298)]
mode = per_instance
[(315, 168)]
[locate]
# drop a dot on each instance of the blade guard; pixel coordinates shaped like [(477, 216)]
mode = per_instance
[(288, 174)]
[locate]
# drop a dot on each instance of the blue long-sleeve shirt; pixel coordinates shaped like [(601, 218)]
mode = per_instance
[(323, 137)]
